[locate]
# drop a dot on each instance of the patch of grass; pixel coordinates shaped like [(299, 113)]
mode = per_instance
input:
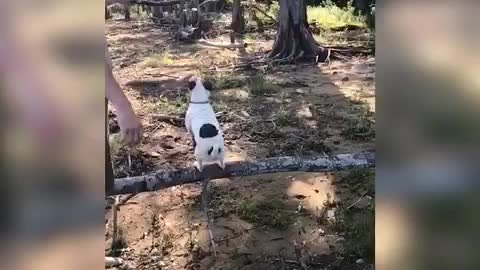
[(251, 39), (359, 231), (361, 125), (116, 9), (117, 146), (119, 244), (328, 15), (222, 202), (166, 242), (259, 85), (359, 129), (282, 118), (223, 80), (139, 12), (329, 37), (358, 225), (155, 61), (176, 106), (272, 10), (270, 212)]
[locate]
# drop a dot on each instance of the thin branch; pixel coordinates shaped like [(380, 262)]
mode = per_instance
[(206, 2), (126, 199), (222, 46), (264, 13), (115, 241), (164, 179), (157, 3), (171, 119), (205, 210)]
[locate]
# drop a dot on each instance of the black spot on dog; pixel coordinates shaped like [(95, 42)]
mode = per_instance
[(208, 85), (219, 150), (208, 131), (210, 150), (192, 84)]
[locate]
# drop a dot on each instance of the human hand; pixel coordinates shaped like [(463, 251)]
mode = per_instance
[(130, 125)]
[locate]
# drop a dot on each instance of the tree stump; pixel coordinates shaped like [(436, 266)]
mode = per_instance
[(294, 38)]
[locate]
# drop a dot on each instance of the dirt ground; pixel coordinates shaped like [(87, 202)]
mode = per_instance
[(279, 221)]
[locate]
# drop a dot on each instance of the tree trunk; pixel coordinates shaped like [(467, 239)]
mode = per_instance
[(238, 21), (158, 12), (294, 39), (107, 14), (126, 8)]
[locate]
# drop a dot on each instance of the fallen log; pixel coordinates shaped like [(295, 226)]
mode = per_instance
[(164, 179)]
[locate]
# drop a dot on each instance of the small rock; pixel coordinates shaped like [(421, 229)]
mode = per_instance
[(155, 154), (360, 261), (300, 207), (344, 79), (362, 68), (113, 261), (300, 91), (321, 231), (331, 214), (341, 239), (305, 112), (246, 114), (174, 154)]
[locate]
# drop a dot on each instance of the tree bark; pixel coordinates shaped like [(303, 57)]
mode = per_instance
[(238, 21), (294, 38), (158, 12), (164, 179)]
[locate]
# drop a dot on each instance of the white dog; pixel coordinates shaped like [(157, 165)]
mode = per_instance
[(202, 125)]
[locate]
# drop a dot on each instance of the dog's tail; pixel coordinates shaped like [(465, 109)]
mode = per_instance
[(214, 151)]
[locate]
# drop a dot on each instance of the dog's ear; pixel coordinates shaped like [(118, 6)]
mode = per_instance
[(191, 84), (208, 85)]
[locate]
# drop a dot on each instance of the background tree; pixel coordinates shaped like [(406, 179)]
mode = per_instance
[(238, 21)]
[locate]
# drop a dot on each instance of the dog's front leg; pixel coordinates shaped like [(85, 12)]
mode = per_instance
[(198, 164), (221, 163)]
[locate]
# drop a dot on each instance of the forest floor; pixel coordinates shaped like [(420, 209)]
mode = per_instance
[(278, 221)]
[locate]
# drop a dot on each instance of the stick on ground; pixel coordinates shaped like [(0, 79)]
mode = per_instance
[(207, 215)]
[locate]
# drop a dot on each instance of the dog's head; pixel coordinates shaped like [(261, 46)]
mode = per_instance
[(201, 84), (198, 83)]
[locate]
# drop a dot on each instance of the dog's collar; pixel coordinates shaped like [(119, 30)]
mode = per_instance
[(199, 102)]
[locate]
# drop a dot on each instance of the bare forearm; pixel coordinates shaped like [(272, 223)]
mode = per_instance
[(114, 92)]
